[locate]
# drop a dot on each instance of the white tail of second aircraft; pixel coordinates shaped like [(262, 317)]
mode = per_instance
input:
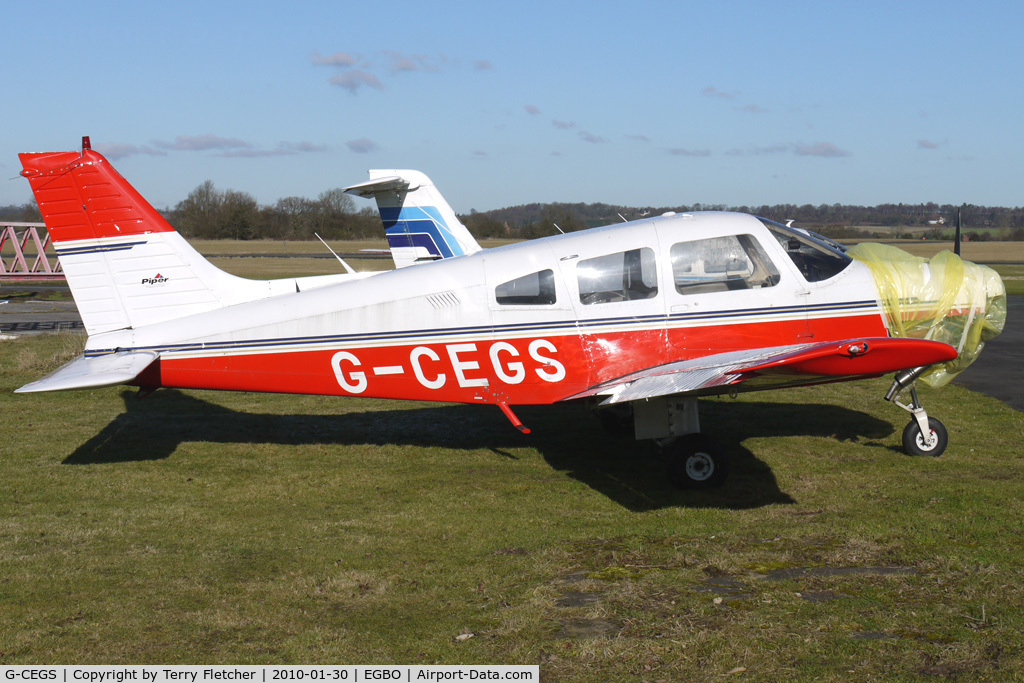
[(419, 224)]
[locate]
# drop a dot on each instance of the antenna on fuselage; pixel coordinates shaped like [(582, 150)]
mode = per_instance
[(622, 217), (344, 265), (557, 228)]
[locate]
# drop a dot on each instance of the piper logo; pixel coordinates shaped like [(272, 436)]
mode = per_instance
[(157, 279)]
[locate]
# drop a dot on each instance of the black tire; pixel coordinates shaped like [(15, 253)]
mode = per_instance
[(913, 441), (696, 462)]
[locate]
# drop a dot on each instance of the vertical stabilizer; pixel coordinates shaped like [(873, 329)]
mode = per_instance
[(126, 266), (419, 224)]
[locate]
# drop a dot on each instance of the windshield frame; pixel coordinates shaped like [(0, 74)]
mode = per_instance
[(816, 257)]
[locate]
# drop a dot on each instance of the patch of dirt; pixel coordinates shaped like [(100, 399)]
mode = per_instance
[(588, 628)]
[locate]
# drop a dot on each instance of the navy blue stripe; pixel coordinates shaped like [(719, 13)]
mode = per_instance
[(419, 226), (482, 330), (404, 239)]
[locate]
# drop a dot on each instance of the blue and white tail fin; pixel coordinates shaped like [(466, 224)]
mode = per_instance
[(419, 224)]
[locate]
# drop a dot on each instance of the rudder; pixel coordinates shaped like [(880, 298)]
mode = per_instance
[(419, 224), (126, 266)]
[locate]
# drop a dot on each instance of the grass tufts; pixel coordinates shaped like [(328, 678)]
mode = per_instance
[(194, 527)]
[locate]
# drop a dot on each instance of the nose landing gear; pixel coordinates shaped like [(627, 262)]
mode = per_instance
[(923, 435)]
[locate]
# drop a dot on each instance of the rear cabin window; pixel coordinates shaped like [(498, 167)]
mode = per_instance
[(721, 264), (622, 276), (535, 289), (816, 259)]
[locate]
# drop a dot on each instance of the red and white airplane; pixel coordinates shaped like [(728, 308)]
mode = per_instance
[(646, 315)]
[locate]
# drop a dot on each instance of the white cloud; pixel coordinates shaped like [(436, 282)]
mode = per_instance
[(355, 79), (403, 62), (202, 143), (760, 151), (117, 150), (819, 149), (712, 91), (301, 147), (753, 109), (337, 59), (283, 149), (816, 149), (681, 152), (362, 146)]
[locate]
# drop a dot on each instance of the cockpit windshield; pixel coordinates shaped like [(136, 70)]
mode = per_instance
[(818, 258)]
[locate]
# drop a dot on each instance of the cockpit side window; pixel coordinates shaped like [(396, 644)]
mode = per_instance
[(721, 264), (817, 260), (535, 289), (622, 276)]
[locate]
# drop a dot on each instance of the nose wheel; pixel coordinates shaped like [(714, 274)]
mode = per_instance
[(923, 435), (917, 442)]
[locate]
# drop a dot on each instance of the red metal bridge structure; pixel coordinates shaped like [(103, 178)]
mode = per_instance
[(20, 245)]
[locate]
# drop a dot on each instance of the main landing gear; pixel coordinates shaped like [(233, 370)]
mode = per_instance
[(696, 461), (693, 460), (923, 435)]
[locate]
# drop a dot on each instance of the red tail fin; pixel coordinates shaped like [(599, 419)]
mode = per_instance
[(82, 197)]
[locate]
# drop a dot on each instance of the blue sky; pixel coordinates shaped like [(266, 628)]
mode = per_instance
[(635, 103)]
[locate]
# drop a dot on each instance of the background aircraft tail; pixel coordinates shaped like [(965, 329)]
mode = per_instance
[(125, 264), (419, 224)]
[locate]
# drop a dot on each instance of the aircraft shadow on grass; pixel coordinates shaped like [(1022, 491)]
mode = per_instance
[(567, 436)]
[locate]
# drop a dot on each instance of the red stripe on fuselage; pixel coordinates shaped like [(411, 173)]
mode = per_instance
[(535, 370)]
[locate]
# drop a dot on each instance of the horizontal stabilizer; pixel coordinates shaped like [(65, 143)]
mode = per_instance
[(92, 372), (371, 188), (774, 367)]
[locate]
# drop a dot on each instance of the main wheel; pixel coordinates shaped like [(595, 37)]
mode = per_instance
[(914, 442), (696, 462)]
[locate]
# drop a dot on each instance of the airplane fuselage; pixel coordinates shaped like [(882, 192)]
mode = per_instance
[(529, 323)]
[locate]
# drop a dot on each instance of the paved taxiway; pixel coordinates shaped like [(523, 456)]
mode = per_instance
[(999, 370)]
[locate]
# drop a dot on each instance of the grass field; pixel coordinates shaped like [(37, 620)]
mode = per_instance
[(199, 527)]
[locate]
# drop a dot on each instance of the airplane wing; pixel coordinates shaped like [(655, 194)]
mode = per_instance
[(88, 373), (773, 367)]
